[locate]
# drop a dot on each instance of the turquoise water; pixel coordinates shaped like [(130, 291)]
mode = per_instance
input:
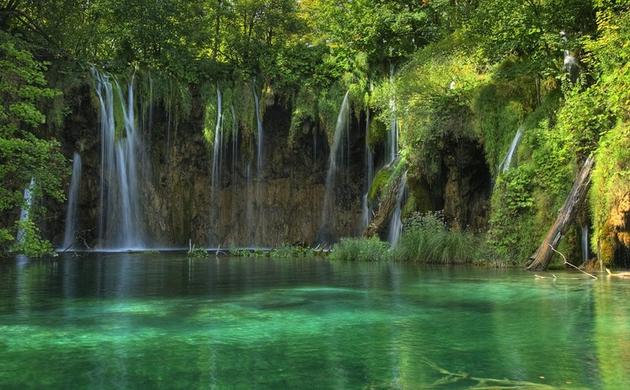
[(163, 321)]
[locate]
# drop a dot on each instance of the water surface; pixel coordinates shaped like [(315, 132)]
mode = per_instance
[(161, 320)]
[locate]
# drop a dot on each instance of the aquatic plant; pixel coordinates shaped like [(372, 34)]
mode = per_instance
[(427, 239), (360, 249)]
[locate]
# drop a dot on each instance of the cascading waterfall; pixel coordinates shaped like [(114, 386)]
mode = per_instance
[(507, 160), (395, 223), (335, 159), (259, 133), (120, 215), (25, 212), (73, 200), (259, 169), (218, 141), (395, 226), (585, 246), (392, 134), (217, 148), (369, 176), (569, 61), (249, 206)]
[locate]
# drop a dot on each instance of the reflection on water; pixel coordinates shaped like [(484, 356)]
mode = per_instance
[(151, 320)]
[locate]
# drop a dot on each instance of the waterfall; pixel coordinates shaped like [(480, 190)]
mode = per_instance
[(569, 61), (73, 200), (395, 225), (260, 219), (218, 140), (585, 246), (25, 212), (507, 160), (392, 134), (369, 174), (250, 224), (259, 133), (334, 160), (120, 215)]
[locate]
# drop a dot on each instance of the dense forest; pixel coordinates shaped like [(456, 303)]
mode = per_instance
[(464, 122)]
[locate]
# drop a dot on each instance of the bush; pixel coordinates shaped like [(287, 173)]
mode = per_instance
[(197, 252), (426, 239), (32, 244), (360, 249), (288, 251)]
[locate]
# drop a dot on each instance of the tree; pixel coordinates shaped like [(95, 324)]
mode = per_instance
[(25, 154)]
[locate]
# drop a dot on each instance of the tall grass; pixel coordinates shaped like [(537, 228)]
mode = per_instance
[(360, 249), (427, 239)]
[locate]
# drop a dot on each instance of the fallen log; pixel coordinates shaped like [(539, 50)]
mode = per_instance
[(540, 260)]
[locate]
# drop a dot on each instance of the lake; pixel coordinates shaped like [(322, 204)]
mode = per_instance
[(161, 320)]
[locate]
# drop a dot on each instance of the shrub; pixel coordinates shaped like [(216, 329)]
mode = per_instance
[(32, 244), (288, 251), (360, 249), (197, 252), (426, 239)]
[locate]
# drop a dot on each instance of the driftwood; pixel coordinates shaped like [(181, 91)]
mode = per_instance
[(461, 379), (623, 275), (385, 209), (542, 257)]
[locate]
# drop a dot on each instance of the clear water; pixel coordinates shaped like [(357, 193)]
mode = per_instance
[(161, 320)]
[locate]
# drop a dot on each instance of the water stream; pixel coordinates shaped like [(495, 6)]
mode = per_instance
[(69, 236), (396, 225), (507, 160), (25, 211), (335, 160), (120, 211)]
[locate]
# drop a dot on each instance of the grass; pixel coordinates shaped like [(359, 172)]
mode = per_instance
[(427, 239), (360, 249)]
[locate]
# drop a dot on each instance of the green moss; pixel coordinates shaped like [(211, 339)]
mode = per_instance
[(609, 191), (379, 183)]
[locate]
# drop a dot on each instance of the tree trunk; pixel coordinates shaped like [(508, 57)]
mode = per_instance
[(539, 261), (385, 209)]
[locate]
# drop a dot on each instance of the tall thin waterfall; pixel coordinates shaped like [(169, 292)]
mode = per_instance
[(25, 212), (73, 200), (569, 61), (250, 224), (585, 246), (259, 133), (395, 226), (218, 141), (120, 214), (259, 225), (392, 134), (369, 174), (335, 159), (507, 160)]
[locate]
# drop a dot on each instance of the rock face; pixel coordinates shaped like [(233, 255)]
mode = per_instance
[(467, 187), (281, 204)]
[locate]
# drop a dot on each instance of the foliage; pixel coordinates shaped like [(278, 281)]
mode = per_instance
[(32, 245), (610, 194), (360, 249), (291, 251), (197, 252), (426, 239), (25, 152)]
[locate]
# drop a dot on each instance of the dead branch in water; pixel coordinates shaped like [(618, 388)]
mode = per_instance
[(571, 265), (482, 383), (623, 275)]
